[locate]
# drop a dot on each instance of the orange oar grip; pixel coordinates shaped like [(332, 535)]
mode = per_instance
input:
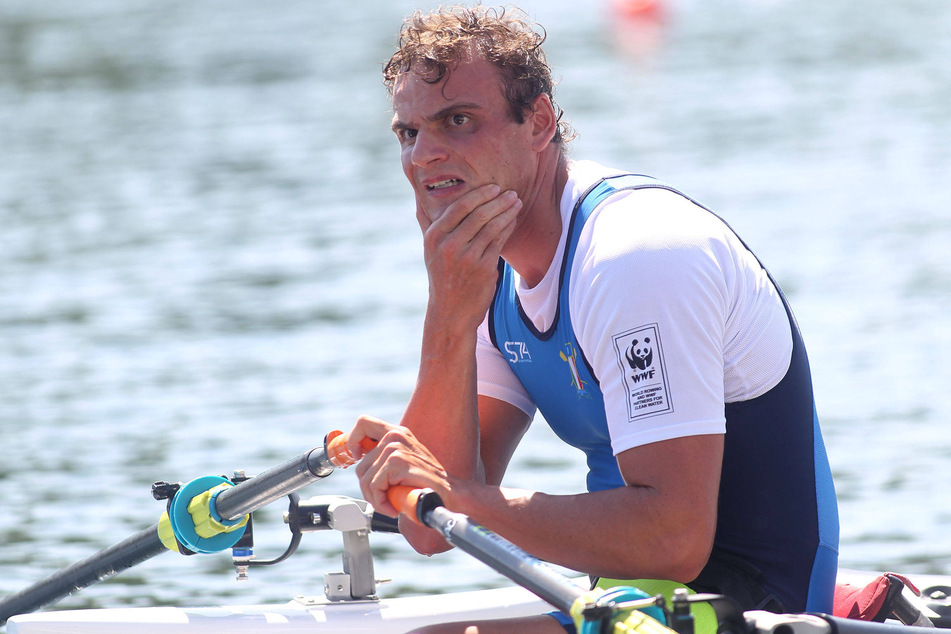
[(339, 453), (404, 498)]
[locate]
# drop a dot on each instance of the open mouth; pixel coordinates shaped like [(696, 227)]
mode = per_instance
[(444, 184)]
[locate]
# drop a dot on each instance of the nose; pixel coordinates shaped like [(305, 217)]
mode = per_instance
[(427, 148)]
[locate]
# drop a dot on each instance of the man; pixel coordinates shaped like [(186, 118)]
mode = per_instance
[(643, 329)]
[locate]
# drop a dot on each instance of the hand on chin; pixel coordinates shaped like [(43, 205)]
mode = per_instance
[(429, 209)]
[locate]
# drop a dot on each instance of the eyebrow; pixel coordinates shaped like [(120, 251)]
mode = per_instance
[(440, 114)]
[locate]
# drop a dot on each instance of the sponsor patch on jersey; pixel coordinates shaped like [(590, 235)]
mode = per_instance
[(517, 352), (641, 360)]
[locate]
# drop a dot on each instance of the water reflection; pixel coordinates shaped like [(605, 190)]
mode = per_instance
[(208, 257)]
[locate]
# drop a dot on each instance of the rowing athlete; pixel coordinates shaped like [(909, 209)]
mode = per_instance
[(633, 319)]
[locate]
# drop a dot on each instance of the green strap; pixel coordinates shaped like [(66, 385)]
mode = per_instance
[(704, 618)]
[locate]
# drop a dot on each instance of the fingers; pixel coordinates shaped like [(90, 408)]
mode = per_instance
[(366, 433), (387, 468), (492, 235), (479, 201), (398, 458), (462, 248), (423, 218), (366, 442), (479, 217)]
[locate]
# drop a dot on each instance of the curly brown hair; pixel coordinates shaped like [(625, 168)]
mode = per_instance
[(431, 44)]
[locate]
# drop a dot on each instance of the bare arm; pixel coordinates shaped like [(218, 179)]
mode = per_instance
[(501, 427), (661, 525), (461, 250)]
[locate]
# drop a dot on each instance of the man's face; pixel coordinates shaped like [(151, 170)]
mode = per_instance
[(459, 134)]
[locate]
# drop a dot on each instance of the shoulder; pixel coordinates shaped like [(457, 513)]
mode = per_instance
[(656, 209), (656, 255), (655, 228)]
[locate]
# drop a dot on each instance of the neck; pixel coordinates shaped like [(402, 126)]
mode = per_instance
[(532, 246)]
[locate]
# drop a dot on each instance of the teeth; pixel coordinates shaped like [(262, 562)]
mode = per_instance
[(446, 183)]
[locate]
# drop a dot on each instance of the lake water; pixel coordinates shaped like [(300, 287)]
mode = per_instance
[(208, 255)]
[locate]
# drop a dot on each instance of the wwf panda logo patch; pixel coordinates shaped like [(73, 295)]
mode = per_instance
[(641, 360), (640, 354)]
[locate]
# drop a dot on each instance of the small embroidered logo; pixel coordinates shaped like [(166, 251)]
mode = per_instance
[(517, 352), (571, 358)]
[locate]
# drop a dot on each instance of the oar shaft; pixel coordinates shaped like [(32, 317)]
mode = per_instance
[(231, 504), (273, 484), (505, 557), (133, 550)]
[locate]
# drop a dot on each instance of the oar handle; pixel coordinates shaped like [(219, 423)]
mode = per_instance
[(339, 453), (404, 498)]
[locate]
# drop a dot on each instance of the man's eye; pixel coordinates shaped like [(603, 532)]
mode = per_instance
[(459, 119), (406, 134)]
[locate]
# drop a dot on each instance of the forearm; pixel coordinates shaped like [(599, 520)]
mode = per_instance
[(462, 242), (443, 410), (624, 533)]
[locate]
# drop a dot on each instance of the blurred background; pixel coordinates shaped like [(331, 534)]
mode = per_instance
[(209, 258)]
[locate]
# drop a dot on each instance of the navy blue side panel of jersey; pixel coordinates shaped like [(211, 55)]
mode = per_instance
[(777, 508)]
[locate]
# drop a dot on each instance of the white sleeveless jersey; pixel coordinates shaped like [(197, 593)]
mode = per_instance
[(651, 265)]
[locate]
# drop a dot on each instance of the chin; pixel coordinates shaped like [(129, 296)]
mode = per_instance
[(435, 212)]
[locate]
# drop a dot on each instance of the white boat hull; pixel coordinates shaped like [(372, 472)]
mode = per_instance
[(302, 615), (317, 614)]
